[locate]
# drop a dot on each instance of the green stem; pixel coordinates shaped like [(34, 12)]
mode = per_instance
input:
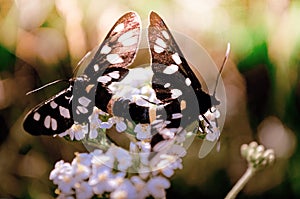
[(241, 183)]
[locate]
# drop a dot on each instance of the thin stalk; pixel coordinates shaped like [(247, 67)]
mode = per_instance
[(241, 183)]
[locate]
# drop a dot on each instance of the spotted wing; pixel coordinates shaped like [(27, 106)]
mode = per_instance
[(173, 78), (114, 55), (109, 64), (51, 117), (174, 82)]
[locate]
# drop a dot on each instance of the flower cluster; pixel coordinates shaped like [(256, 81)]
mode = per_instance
[(80, 131), (257, 156), (142, 170), (106, 174)]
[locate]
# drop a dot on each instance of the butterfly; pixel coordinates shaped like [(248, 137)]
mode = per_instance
[(180, 98), (174, 81), (75, 104)]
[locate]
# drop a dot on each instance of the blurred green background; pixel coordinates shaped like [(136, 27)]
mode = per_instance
[(42, 40)]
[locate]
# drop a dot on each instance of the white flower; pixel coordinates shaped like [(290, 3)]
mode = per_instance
[(124, 159), (119, 121), (62, 175), (121, 90), (59, 169), (124, 190), (83, 190), (143, 131), (99, 159), (140, 187), (144, 146), (65, 180), (108, 124), (214, 132), (116, 180), (167, 164), (120, 124), (144, 171), (144, 157), (99, 180), (148, 93), (177, 150), (97, 152), (81, 166), (83, 158), (76, 131), (157, 185), (95, 123), (64, 196), (122, 156)]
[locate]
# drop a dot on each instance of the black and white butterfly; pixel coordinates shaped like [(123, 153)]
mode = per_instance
[(178, 90), (75, 104), (174, 81)]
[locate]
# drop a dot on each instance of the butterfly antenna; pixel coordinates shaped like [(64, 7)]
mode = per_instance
[(222, 67), (49, 84)]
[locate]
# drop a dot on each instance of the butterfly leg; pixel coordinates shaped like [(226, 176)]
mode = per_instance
[(209, 125)]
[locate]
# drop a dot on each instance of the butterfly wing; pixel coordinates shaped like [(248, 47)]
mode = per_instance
[(173, 79), (109, 64), (118, 49), (174, 82), (51, 117), (115, 54)]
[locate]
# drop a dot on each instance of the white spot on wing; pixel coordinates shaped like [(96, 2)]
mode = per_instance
[(176, 115), (81, 109), (158, 49), (47, 122), (167, 85), (104, 79), (53, 104), (36, 116), (171, 69), (165, 34), (160, 42), (84, 101), (188, 81), (105, 49), (53, 124), (126, 36), (64, 112), (96, 67), (176, 93), (114, 74), (114, 59), (119, 27), (176, 58), (130, 41)]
